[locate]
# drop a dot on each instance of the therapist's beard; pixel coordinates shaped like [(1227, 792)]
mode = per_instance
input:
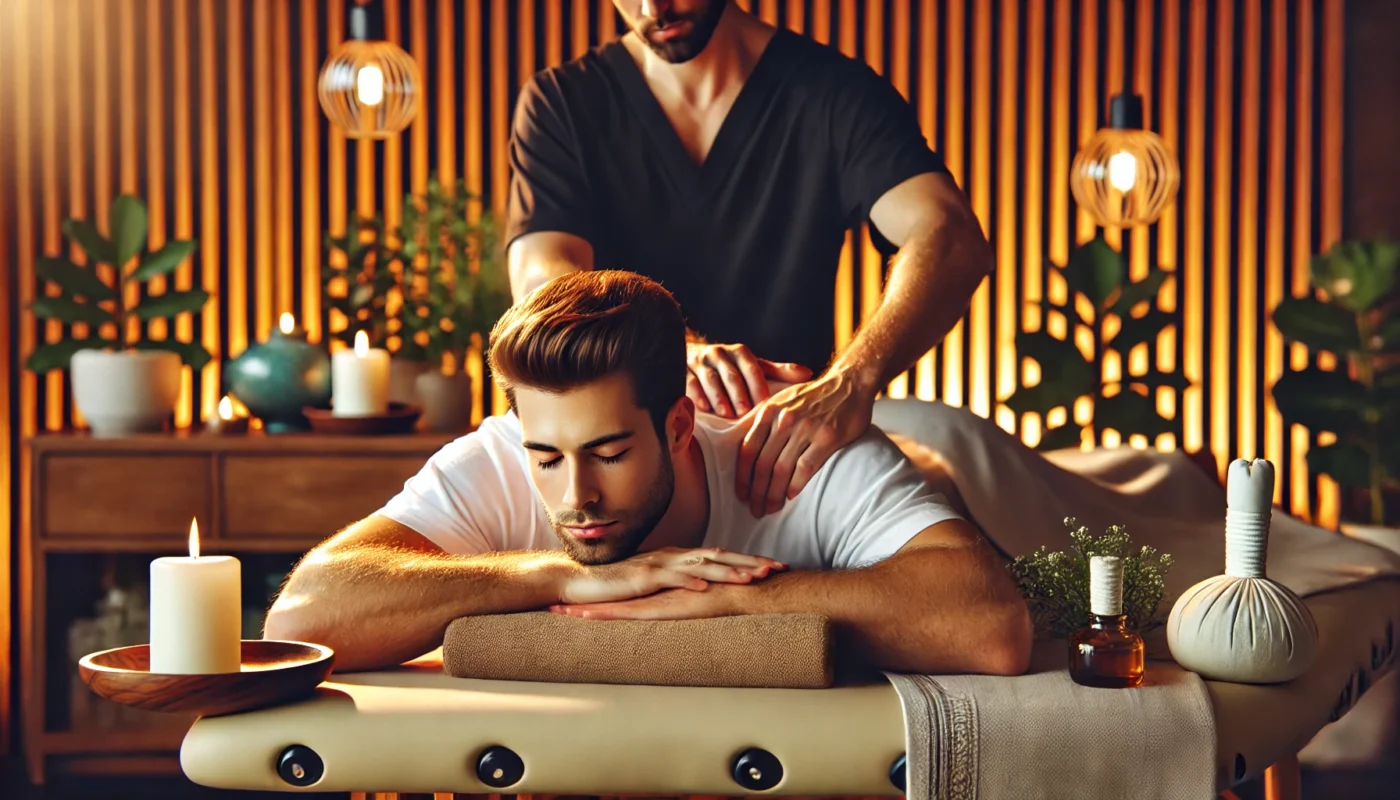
[(633, 526), (683, 49)]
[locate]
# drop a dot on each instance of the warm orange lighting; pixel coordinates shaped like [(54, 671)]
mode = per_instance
[(194, 538), (226, 409), (286, 323), (361, 344)]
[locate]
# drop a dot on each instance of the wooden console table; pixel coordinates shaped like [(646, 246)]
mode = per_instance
[(251, 493)]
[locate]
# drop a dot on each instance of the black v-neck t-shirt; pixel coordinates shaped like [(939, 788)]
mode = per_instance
[(748, 241)]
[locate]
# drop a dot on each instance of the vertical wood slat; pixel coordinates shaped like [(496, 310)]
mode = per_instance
[(1220, 259), (48, 171), (310, 166), (236, 110), (954, 107), (263, 192), (180, 71), (8, 20)]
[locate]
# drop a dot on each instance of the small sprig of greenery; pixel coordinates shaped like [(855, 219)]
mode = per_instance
[(1056, 584)]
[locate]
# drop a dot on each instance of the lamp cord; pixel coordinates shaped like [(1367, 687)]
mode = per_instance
[(1129, 22)]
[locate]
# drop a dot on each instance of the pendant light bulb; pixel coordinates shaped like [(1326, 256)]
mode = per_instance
[(369, 88)]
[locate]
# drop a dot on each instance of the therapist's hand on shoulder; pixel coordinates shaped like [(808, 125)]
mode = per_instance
[(665, 568), (794, 432), (728, 380)]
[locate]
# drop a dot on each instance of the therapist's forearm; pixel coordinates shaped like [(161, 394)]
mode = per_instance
[(933, 610), (378, 607), (932, 279)]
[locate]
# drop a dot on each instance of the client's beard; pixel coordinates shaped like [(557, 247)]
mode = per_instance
[(632, 529)]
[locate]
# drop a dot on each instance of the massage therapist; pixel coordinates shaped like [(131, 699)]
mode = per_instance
[(726, 159)]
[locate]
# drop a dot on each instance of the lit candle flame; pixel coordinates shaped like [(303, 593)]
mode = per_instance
[(226, 408), (194, 538), (286, 323), (361, 344)]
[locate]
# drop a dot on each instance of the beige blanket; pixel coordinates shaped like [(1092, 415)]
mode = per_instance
[(1020, 735)]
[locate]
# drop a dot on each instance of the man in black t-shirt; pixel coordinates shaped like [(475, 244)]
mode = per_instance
[(726, 159)]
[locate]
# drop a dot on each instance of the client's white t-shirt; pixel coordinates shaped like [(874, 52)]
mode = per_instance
[(475, 496)]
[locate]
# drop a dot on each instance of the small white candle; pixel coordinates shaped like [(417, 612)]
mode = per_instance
[(360, 380), (196, 613)]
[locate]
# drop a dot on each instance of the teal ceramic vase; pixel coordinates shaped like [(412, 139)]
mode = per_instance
[(277, 378)]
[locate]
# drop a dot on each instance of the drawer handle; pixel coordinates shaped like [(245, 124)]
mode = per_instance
[(499, 767), (757, 770)]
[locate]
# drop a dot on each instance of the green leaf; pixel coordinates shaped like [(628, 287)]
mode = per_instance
[(1155, 378), (1319, 325), (1128, 413), (97, 247), (1067, 435), (1322, 401), (1064, 372), (171, 303), (66, 310), (128, 227), (1095, 270), (164, 260), (56, 355), (192, 354), (1140, 291), (1136, 330), (1347, 464), (1357, 273), (73, 279)]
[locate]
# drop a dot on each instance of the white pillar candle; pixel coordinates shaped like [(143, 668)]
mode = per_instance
[(196, 613), (360, 380)]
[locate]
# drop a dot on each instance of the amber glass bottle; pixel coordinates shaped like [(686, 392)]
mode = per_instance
[(1105, 653)]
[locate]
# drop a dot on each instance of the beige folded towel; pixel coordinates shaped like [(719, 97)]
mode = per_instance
[(760, 650)]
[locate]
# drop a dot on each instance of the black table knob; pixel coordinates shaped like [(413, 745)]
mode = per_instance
[(499, 767), (300, 766), (897, 772), (757, 770)]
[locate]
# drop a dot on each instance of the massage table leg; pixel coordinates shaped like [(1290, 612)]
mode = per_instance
[(1284, 780)]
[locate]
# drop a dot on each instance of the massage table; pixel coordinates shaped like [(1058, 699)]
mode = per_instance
[(416, 729)]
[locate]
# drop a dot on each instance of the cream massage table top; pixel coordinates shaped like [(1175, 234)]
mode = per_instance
[(414, 729)]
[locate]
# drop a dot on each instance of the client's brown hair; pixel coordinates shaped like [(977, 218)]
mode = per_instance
[(586, 325)]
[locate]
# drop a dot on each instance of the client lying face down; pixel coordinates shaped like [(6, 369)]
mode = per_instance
[(604, 494)]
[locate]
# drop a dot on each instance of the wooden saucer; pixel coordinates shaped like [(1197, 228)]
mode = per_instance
[(273, 672), (400, 418)]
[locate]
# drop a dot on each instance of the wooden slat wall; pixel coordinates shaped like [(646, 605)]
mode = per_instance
[(208, 109)]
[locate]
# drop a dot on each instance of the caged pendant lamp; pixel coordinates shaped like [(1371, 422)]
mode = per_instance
[(369, 87), (1124, 175)]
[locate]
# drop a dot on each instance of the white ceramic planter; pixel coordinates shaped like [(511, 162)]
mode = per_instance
[(446, 401), (128, 391)]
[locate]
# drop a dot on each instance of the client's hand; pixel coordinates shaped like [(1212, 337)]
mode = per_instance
[(729, 380), (713, 601), (666, 568)]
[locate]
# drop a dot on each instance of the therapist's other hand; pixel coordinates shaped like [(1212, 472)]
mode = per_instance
[(729, 380), (794, 432), (714, 601), (665, 568)]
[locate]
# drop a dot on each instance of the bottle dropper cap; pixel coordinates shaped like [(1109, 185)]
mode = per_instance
[(1106, 586)]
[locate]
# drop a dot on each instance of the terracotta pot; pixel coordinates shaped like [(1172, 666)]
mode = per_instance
[(446, 401), (127, 391)]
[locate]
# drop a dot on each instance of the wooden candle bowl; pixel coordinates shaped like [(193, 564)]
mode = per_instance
[(400, 418), (273, 672)]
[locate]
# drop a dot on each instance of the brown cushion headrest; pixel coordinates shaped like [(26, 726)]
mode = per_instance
[(759, 650)]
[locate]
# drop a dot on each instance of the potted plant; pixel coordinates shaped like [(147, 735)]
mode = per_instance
[(358, 282), (455, 288), (123, 382), (1120, 315), (1350, 315)]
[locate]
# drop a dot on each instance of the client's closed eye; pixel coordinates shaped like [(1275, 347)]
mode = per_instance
[(550, 464), (612, 459)]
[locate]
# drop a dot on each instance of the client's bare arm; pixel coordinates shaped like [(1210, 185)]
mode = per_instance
[(379, 593), (942, 604)]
